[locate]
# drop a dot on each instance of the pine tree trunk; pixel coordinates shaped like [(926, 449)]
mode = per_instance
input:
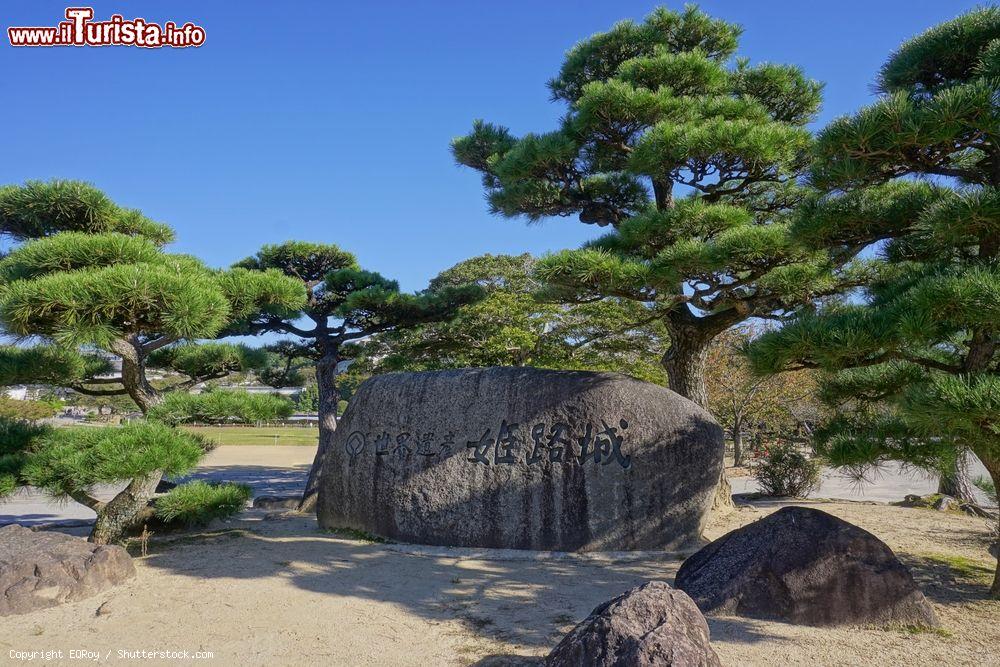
[(991, 461), (134, 375), (685, 366), (957, 482), (123, 511), (329, 399)]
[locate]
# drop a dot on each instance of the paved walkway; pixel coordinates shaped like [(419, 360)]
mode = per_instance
[(283, 470), (268, 470)]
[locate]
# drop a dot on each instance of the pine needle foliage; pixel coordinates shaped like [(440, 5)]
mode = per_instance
[(344, 303), (915, 367), (199, 503), (690, 157)]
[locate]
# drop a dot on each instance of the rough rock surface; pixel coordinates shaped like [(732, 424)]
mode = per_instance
[(652, 624), (42, 569), (276, 502), (522, 458), (805, 566)]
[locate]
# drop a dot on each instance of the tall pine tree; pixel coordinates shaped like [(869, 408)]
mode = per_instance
[(691, 159), (918, 361)]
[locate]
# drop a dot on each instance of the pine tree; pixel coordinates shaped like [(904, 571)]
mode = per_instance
[(89, 282), (917, 363), (344, 304), (691, 160)]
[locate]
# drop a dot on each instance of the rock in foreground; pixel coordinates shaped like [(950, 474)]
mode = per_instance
[(805, 566), (652, 624), (522, 458), (41, 569)]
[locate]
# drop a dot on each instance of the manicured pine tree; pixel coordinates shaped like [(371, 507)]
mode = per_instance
[(88, 281), (916, 365), (691, 160), (344, 304)]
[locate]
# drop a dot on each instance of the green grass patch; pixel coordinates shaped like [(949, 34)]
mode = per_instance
[(198, 503), (921, 630), (264, 435), (960, 566)]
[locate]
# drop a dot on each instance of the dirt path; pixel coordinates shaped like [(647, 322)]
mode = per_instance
[(279, 592)]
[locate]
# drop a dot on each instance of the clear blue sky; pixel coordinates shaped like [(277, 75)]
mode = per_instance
[(330, 121)]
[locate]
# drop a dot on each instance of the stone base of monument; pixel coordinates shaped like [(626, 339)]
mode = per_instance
[(521, 458)]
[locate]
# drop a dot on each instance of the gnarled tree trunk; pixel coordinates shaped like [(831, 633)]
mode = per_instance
[(123, 511), (118, 515), (685, 366), (991, 461), (957, 482), (329, 399), (134, 374)]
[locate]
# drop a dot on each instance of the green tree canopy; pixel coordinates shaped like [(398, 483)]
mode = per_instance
[(511, 326), (918, 360), (87, 283), (125, 295), (690, 158), (344, 303)]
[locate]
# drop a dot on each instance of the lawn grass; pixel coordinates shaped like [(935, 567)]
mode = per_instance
[(265, 435)]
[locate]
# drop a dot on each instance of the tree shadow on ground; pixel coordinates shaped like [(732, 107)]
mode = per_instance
[(530, 603), (950, 580), (264, 480)]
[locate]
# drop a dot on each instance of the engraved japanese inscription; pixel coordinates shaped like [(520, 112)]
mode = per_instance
[(522, 458)]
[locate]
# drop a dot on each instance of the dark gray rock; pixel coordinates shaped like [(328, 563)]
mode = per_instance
[(652, 624), (522, 458), (276, 502), (39, 569), (805, 566)]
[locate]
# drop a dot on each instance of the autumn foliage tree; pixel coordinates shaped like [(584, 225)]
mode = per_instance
[(918, 361), (744, 401)]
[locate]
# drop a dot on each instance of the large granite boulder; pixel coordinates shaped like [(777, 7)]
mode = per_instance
[(522, 458), (43, 569), (652, 624), (805, 566)]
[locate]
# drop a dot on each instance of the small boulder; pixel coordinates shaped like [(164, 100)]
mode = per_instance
[(652, 624), (42, 569), (946, 504), (276, 502), (808, 567)]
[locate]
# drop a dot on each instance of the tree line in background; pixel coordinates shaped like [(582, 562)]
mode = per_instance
[(860, 264)]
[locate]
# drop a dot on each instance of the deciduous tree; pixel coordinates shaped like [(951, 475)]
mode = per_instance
[(513, 326)]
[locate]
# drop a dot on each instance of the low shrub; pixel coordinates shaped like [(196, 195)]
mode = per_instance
[(783, 470), (198, 503)]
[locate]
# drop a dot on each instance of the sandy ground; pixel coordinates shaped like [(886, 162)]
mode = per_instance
[(276, 591)]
